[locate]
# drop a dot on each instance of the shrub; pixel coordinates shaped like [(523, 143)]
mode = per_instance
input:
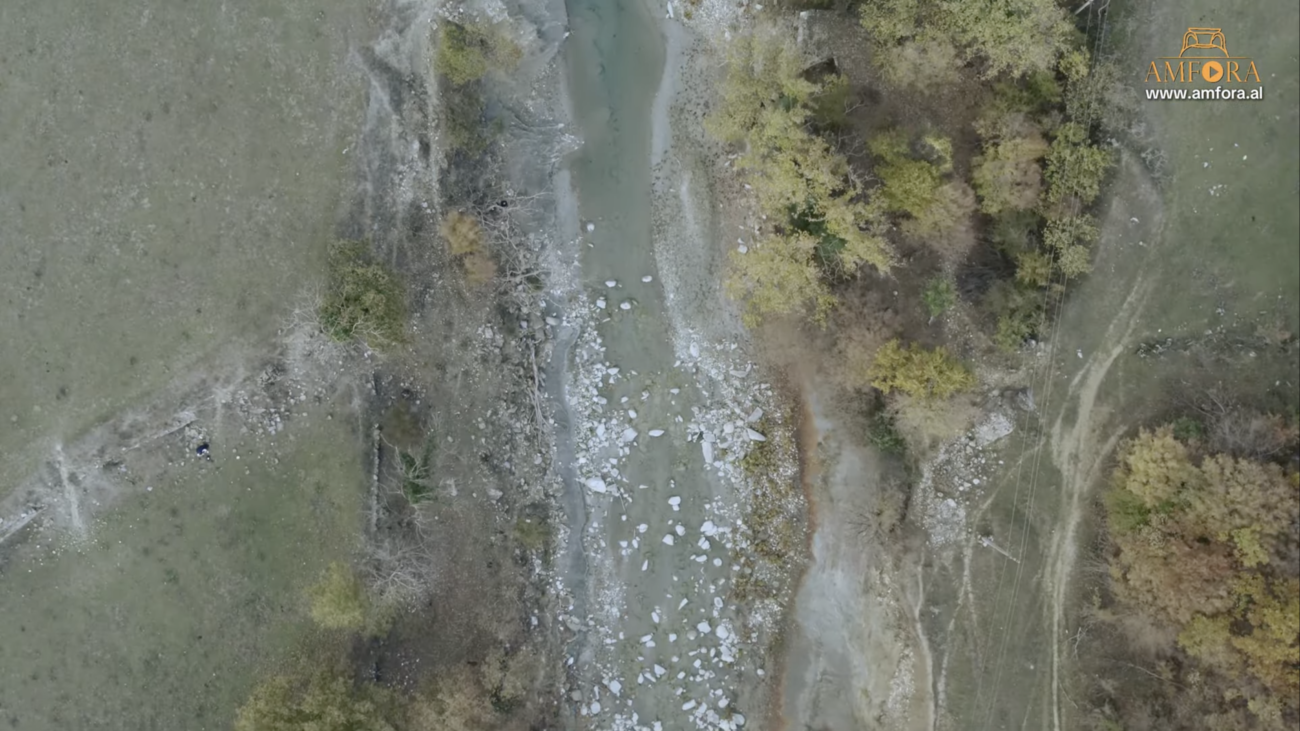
[(939, 296), (918, 371), (338, 601), (467, 52), (322, 701), (1007, 176), (363, 300)]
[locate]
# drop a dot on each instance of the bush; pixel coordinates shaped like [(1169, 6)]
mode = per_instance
[(1007, 176), (338, 601), (363, 299), (325, 700), (939, 296), (918, 371), (467, 52)]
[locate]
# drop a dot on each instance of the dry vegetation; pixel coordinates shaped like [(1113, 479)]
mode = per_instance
[(468, 247)]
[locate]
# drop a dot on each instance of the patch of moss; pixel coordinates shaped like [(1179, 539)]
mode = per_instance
[(533, 533)]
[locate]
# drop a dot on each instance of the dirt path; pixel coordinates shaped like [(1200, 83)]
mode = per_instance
[(1080, 450)]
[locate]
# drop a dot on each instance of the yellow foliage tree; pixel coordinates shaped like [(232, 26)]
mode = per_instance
[(920, 372), (818, 223)]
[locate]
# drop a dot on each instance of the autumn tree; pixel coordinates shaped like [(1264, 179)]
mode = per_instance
[(920, 372), (1200, 542), (819, 223)]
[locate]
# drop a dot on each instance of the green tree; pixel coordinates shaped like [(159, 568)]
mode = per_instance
[(918, 371), (907, 184), (1034, 268), (338, 601), (1075, 168), (1061, 232), (1012, 37), (1074, 261)]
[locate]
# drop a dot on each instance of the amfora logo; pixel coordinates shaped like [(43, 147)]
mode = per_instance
[(1204, 58)]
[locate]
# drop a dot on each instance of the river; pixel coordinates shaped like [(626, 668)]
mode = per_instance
[(658, 407)]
